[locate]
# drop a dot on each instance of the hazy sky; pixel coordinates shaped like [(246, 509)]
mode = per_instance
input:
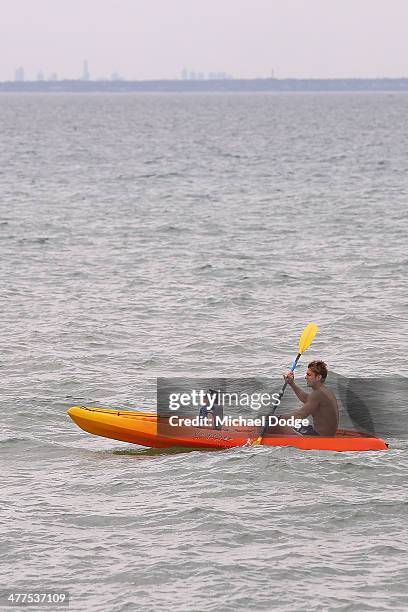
[(144, 39)]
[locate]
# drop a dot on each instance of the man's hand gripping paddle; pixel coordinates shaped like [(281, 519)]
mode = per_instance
[(305, 341)]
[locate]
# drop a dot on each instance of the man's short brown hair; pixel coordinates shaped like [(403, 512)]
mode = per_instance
[(319, 367)]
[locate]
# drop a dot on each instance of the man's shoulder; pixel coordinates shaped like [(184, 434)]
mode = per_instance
[(325, 394), (316, 393), (319, 395)]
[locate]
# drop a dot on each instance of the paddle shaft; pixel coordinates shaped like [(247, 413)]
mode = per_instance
[(282, 391)]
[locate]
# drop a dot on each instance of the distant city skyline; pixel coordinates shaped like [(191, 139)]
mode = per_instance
[(20, 75), (156, 39)]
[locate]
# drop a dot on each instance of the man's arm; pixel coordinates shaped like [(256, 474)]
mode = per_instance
[(309, 407), (302, 395)]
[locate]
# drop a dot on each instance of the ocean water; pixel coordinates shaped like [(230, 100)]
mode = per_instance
[(196, 235)]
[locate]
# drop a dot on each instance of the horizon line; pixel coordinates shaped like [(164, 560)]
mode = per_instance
[(216, 80)]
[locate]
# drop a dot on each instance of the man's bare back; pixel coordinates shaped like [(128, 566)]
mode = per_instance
[(324, 411)]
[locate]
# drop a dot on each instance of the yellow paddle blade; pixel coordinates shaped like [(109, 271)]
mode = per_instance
[(307, 337)]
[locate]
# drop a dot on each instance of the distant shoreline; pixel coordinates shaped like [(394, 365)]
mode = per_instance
[(208, 86)]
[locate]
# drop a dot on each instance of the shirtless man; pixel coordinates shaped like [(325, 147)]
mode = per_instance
[(321, 403)]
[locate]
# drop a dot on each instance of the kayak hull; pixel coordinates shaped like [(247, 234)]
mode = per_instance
[(142, 428)]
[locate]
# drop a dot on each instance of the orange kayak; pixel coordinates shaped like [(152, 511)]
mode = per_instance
[(142, 428)]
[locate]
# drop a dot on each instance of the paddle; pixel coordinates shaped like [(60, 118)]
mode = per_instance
[(305, 341)]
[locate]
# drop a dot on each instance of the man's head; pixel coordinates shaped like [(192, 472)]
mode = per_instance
[(316, 373)]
